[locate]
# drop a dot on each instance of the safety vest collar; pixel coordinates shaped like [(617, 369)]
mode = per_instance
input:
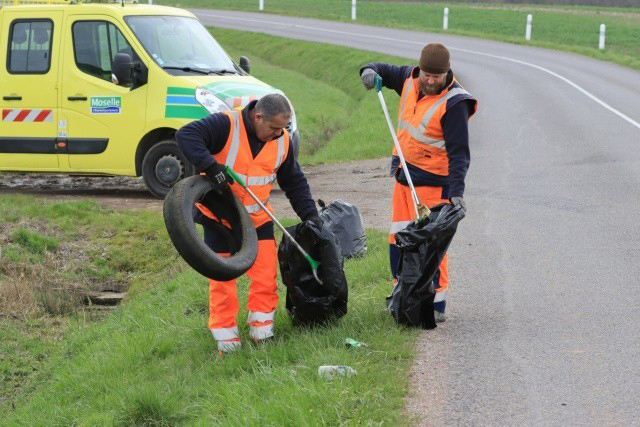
[(239, 134)]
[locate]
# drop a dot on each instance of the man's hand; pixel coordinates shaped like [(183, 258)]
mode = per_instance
[(315, 220), (459, 201), (217, 175), (368, 78)]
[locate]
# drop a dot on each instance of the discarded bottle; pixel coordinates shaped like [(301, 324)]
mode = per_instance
[(329, 372), (350, 342)]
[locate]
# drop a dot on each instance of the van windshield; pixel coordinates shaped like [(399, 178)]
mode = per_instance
[(180, 44)]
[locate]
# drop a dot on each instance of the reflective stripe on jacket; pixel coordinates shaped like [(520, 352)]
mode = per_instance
[(259, 173), (420, 125)]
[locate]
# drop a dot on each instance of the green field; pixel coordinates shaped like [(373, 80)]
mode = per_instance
[(570, 28)]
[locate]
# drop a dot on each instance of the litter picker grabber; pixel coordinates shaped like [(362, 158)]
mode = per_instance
[(313, 263), (422, 211)]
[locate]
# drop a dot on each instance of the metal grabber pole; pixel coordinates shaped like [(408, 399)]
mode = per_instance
[(421, 210), (313, 263)]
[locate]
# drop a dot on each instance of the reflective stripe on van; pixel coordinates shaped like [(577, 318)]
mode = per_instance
[(24, 115)]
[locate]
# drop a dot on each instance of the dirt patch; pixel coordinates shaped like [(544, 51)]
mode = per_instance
[(364, 183), (110, 192)]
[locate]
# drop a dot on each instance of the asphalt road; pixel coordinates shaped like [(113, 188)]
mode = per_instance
[(544, 308)]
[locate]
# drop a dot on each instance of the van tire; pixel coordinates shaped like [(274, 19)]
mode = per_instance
[(178, 211), (164, 165)]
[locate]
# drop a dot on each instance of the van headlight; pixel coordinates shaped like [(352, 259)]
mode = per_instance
[(208, 100)]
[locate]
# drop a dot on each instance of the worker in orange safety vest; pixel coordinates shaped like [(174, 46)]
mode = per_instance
[(254, 142), (434, 137)]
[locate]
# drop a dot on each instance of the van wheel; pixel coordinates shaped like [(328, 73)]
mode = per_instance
[(164, 165)]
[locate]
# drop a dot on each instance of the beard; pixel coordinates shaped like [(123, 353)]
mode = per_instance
[(431, 89)]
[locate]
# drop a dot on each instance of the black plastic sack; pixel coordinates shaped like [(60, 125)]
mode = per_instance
[(345, 222), (422, 248), (308, 302)]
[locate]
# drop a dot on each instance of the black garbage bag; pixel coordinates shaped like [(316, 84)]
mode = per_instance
[(422, 248), (309, 302), (345, 222)]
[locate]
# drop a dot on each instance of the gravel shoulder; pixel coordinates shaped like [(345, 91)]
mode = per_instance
[(365, 184)]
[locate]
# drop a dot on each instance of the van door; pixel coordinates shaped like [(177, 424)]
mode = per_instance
[(28, 84), (105, 121)]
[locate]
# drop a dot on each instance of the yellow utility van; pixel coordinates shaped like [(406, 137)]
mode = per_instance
[(101, 88)]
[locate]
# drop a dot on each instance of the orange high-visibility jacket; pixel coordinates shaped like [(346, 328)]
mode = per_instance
[(419, 125), (259, 173)]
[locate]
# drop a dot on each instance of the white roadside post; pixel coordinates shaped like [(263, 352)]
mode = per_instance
[(261, 5), (527, 34), (603, 28), (150, 1), (445, 20), (353, 10)]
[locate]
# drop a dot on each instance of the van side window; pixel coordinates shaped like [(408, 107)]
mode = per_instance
[(30, 46), (95, 45)]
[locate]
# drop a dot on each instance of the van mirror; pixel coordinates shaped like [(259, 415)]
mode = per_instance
[(139, 75), (121, 69), (244, 64)]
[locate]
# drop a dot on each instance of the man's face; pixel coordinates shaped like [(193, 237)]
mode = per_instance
[(431, 84), (268, 129)]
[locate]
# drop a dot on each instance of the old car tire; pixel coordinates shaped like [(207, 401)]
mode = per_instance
[(163, 166), (178, 210)]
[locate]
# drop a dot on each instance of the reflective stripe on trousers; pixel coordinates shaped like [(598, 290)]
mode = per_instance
[(260, 325), (253, 208), (227, 338), (441, 295)]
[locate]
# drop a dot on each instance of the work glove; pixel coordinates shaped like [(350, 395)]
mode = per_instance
[(217, 175), (459, 201), (368, 78), (315, 220)]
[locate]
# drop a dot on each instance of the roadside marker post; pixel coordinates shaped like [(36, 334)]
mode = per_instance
[(261, 5), (527, 34), (445, 20), (603, 28), (353, 10)]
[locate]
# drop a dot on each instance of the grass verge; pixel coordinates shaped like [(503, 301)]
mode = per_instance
[(569, 28), (51, 255), (152, 362)]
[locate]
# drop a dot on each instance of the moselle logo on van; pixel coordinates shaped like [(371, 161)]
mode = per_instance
[(106, 104)]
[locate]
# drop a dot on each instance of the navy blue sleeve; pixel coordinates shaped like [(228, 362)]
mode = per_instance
[(295, 186), (393, 76), (200, 139), (456, 140)]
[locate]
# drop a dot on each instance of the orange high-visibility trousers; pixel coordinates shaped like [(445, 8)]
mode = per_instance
[(403, 212), (223, 299)]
